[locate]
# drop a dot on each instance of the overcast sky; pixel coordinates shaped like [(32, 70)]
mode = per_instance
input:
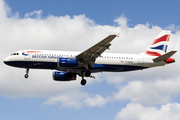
[(151, 94)]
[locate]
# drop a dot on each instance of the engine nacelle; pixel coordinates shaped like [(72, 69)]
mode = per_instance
[(67, 62), (63, 76)]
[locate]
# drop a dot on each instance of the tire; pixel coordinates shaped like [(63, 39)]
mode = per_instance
[(83, 82), (87, 73), (26, 75)]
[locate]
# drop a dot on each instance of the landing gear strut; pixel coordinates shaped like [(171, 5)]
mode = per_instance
[(27, 71), (87, 74)]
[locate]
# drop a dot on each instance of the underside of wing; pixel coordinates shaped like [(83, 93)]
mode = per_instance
[(89, 56)]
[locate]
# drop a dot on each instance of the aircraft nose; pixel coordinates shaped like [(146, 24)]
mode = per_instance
[(6, 61), (9, 61)]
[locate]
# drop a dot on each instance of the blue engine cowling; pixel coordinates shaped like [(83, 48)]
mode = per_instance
[(63, 76), (67, 62)]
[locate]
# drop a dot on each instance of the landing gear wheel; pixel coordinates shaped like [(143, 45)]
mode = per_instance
[(27, 71), (26, 75), (87, 73), (83, 82)]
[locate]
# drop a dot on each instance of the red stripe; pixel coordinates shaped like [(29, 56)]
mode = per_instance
[(170, 60), (33, 51), (152, 53), (163, 38)]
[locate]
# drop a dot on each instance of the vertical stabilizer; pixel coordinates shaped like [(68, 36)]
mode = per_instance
[(159, 45)]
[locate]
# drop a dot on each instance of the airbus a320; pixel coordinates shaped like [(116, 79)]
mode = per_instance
[(69, 64)]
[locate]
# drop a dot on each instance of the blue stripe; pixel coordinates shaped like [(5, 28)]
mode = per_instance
[(165, 48), (25, 54), (53, 65), (161, 47)]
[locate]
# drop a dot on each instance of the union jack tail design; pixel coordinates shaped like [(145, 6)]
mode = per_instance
[(160, 44)]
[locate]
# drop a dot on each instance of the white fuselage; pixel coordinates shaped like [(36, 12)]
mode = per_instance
[(112, 62)]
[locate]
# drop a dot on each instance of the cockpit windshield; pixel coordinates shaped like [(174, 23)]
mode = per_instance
[(15, 54)]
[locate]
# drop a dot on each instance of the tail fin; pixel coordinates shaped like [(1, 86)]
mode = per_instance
[(160, 44)]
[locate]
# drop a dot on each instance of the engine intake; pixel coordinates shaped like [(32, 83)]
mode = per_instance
[(63, 76), (67, 62)]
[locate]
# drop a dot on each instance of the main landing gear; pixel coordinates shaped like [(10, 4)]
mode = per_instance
[(83, 82), (86, 74), (27, 71)]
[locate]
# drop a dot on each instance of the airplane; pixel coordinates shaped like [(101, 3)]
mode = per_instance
[(69, 64)]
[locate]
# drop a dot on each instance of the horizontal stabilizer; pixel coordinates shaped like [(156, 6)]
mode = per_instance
[(164, 57)]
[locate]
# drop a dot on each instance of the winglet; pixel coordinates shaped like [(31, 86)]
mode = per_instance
[(118, 34)]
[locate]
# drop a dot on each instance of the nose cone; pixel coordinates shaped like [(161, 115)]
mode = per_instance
[(11, 61), (6, 61)]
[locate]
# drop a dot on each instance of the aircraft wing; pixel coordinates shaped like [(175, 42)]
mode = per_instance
[(89, 56)]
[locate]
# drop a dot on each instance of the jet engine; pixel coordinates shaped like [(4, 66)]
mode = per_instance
[(67, 62), (63, 76)]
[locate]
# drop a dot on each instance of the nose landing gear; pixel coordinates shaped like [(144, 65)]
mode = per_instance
[(27, 71)]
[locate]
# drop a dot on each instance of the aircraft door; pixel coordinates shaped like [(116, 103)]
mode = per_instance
[(27, 57), (140, 60)]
